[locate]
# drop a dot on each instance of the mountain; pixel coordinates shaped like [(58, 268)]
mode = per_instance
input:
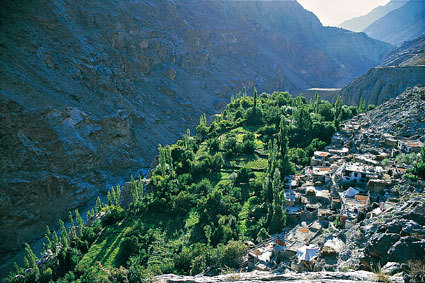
[(358, 24), (402, 68), (410, 53), (403, 24), (90, 88)]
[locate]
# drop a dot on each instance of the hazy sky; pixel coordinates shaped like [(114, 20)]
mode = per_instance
[(333, 12)]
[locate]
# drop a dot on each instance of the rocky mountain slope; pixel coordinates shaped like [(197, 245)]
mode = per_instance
[(382, 83), (358, 24), (411, 53), (401, 68), (89, 88), (403, 24)]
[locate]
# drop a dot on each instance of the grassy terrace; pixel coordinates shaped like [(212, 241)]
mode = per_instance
[(106, 248)]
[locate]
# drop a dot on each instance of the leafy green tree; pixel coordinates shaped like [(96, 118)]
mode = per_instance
[(255, 98), (80, 222), (244, 174), (64, 234), (326, 111), (420, 165), (71, 224), (134, 190), (338, 112), (140, 188), (278, 219), (317, 101), (109, 198), (31, 263), (232, 253), (262, 235), (362, 106), (99, 205), (283, 137), (201, 129)]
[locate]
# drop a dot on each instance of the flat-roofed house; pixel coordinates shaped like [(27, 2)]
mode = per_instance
[(408, 146)]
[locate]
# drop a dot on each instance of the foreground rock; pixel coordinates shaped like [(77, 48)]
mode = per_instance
[(258, 276)]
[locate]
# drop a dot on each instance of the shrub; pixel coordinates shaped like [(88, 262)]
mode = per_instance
[(233, 253), (244, 174)]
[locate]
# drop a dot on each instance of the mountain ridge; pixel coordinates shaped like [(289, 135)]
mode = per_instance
[(359, 24)]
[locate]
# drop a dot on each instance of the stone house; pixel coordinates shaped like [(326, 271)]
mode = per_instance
[(408, 146)]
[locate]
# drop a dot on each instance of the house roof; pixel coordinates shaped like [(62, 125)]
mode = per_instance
[(321, 153)]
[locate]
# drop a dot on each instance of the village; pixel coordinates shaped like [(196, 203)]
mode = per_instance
[(354, 178)]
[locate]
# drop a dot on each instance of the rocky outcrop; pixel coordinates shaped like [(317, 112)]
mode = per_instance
[(89, 88), (261, 276), (401, 116), (382, 83)]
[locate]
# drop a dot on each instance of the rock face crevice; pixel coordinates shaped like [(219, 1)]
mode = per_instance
[(89, 88)]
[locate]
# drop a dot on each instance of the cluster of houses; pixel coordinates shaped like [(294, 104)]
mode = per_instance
[(337, 189)]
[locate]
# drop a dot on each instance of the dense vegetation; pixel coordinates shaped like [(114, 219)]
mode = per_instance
[(209, 193)]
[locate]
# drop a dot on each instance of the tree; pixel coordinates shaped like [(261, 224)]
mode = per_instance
[(71, 224), (201, 129), (140, 188), (134, 191), (99, 205), (31, 262), (80, 222), (283, 137), (338, 112), (278, 219), (109, 197), (64, 234), (362, 106), (255, 98), (117, 195), (317, 101)]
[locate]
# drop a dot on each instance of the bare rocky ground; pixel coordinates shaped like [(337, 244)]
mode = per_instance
[(262, 276)]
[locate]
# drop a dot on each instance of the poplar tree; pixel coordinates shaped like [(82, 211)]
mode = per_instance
[(134, 190), (80, 222), (109, 198), (31, 262), (98, 207), (278, 219), (255, 98), (64, 234), (140, 188), (338, 112), (118, 195), (71, 224)]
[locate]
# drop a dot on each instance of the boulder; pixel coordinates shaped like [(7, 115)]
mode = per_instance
[(380, 243), (391, 268), (407, 249)]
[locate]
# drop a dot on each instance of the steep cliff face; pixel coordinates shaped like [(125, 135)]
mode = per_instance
[(402, 68), (89, 88), (382, 83)]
